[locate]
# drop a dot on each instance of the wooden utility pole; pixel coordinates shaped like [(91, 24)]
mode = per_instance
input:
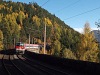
[(14, 42), (29, 39), (45, 39)]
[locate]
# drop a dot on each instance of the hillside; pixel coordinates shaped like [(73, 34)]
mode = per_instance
[(19, 20)]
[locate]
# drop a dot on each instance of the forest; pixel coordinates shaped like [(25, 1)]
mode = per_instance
[(19, 20)]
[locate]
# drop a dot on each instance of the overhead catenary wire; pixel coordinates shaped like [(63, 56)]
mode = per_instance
[(45, 3), (68, 5), (83, 13)]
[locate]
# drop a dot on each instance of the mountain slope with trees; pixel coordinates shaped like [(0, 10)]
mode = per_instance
[(19, 20)]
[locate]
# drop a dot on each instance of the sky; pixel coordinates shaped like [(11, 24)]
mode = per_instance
[(74, 13)]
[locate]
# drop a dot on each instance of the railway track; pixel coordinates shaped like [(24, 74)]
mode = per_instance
[(53, 69), (15, 64), (40, 66), (30, 70), (35, 66), (10, 67), (2, 69)]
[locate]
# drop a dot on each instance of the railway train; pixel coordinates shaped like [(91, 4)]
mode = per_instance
[(21, 47)]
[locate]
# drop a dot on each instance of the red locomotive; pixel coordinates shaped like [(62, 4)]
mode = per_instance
[(21, 47)]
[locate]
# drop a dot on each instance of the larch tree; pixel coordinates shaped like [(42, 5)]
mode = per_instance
[(88, 48)]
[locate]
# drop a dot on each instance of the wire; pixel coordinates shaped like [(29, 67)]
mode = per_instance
[(45, 3), (68, 5), (83, 13)]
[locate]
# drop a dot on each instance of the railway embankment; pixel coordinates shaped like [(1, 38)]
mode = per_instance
[(83, 67)]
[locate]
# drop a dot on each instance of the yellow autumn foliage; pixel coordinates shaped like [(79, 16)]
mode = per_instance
[(87, 48), (2, 6), (1, 40), (48, 21), (36, 19)]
